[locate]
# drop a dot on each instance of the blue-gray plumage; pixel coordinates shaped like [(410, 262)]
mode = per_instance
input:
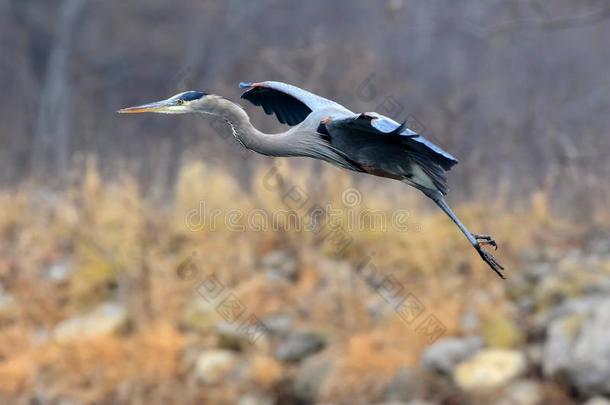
[(192, 95), (323, 129)]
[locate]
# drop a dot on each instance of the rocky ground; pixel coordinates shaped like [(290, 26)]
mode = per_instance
[(555, 348), (129, 309)]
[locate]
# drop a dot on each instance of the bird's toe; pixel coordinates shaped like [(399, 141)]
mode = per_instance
[(486, 240), (491, 261)]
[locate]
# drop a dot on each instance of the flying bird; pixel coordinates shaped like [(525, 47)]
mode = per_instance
[(323, 129)]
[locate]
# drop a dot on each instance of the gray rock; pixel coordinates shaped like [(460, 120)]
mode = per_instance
[(445, 354), (392, 403), (600, 246), (561, 335), (106, 319), (406, 385), (597, 401), (470, 322), (255, 400), (599, 288), (236, 336), (523, 392), (278, 324), (540, 271), (299, 345), (534, 353), (9, 308), (414, 402), (578, 346), (212, 366), (526, 304), (230, 337), (489, 369), (383, 305), (199, 315), (280, 264), (59, 272), (64, 401), (310, 377), (582, 306)]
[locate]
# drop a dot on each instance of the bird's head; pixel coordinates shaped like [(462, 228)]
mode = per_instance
[(182, 103)]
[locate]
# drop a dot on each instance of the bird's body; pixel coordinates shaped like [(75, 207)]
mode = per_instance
[(323, 129)]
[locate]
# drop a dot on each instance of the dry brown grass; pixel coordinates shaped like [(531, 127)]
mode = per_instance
[(125, 248)]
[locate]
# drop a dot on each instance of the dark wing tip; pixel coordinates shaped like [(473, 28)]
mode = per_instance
[(288, 109), (365, 116), (399, 129)]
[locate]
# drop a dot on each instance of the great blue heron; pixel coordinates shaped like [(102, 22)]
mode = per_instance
[(323, 129)]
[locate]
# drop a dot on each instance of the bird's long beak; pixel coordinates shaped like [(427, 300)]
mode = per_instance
[(159, 106)]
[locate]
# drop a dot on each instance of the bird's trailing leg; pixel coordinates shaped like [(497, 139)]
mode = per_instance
[(477, 241)]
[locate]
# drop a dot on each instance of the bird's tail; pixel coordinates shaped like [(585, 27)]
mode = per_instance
[(428, 174)]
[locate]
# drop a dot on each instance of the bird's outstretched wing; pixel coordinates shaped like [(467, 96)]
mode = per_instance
[(289, 103), (389, 149), (374, 123), (387, 125)]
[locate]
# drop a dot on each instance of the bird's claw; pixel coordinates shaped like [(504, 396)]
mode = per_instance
[(486, 240), (490, 260), (485, 255)]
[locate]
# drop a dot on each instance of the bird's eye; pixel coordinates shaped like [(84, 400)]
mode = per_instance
[(180, 101)]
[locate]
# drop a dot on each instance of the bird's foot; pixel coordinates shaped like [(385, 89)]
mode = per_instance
[(486, 240), (485, 255)]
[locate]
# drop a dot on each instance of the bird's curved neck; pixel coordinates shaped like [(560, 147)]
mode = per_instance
[(295, 142), (244, 131)]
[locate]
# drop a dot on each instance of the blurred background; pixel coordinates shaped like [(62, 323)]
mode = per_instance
[(150, 259)]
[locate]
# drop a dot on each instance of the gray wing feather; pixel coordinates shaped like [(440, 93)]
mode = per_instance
[(313, 101), (388, 150), (289, 103), (388, 125)]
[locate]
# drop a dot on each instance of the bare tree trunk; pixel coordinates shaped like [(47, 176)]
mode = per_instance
[(51, 139)]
